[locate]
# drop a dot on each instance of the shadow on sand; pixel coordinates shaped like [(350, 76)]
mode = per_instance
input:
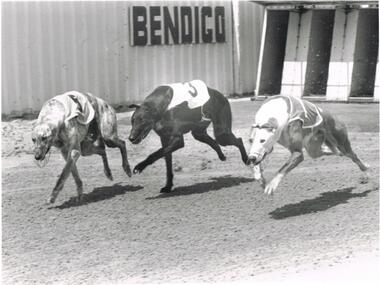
[(98, 194), (217, 183), (324, 201)]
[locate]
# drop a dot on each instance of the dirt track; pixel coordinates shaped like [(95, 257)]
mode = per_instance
[(217, 225)]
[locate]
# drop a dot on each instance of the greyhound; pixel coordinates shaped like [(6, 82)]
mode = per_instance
[(78, 124), (172, 120), (296, 124)]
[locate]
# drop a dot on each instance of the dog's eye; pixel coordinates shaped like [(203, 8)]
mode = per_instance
[(43, 138), (34, 140), (262, 141)]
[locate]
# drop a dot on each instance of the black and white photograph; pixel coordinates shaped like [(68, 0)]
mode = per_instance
[(190, 141)]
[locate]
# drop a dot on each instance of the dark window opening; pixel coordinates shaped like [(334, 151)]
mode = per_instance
[(365, 55), (318, 58), (274, 52)]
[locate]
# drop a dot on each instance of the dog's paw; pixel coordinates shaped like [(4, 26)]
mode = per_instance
[(166, 189), (269, 189), (364, 179), (139, 168), (50, 200), (79, 198), (262, 183), (108, 174), (256, 172), (366, 167), (272, 185), (127, 170)]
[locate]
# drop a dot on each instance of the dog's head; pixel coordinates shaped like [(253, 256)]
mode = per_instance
[(43, 138), (263, 137), (143, 121)]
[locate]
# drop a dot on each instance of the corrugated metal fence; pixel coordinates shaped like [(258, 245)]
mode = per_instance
[(52, 47), (250, 28)]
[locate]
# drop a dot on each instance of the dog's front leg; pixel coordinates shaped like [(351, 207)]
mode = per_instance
[(78, 182), (75, 173), (258, 175), (72, 157), (169, 166), (175, 143), (296, 157)]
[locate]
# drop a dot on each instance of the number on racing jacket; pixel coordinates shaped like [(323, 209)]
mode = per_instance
[(195, 92)]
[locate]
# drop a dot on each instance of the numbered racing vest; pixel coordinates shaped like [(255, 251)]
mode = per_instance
[(194, 92), (305, 111), (76, 106)]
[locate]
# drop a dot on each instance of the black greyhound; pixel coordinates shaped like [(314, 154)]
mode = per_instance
[(172, 124)]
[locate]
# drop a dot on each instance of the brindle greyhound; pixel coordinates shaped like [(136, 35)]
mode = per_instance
[(306, 126), (172, 124), (54, 128)]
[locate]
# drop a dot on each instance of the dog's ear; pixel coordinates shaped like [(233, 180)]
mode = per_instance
[(133, 106), (273, 123)]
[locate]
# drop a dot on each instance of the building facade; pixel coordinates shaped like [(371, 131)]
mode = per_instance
[(320, 48), (121, 51)]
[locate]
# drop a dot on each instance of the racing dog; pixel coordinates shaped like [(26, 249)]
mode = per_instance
[(78, 124), (175, 109), (296, 124)]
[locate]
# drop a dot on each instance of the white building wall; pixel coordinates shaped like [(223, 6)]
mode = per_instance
[(52, 47), (251, 17)]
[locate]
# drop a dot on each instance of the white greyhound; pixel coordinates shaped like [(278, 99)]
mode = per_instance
[(295, 124)]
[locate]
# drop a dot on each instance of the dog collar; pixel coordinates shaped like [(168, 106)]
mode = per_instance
[(260, 127)]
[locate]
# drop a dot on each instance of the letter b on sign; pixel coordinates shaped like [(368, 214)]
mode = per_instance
[(140, 33)]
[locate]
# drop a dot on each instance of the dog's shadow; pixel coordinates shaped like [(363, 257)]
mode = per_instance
[(216, 183), (324, 201), (99, 194)]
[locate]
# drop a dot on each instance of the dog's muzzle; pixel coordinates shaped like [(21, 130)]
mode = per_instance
[(255, 160), (251, 160), (38, 157), (38, 154), (134, 140)]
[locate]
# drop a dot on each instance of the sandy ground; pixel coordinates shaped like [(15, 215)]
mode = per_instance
[(217, 225)]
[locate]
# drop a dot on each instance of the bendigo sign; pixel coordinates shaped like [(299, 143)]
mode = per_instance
[(163, 25)]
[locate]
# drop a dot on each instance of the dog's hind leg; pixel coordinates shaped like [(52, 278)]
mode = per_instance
[(345, 149), (331, 146), (344, 146), (107, 170), (108, 129), (339, 133), (222, 122), (315, 145), (116, 142), (202, 136), (221, 118), (89, 148), (225, 139)]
